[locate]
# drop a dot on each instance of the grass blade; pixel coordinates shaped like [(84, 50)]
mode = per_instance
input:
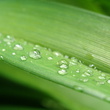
[(54, 66), (67, 29)]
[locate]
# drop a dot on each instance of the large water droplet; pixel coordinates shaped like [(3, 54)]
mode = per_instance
[(18, 47), (35, 54), (62, 72), (77, 71)]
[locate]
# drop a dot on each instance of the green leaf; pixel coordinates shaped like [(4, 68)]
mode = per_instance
[(54, 66), (74, 32), (68, 98)]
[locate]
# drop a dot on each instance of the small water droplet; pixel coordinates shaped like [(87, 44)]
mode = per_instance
[(66, 56), (87, 73), (92, 66), (63, 61), (108, 81), (1, 57), (36, 47), (50, 58), (35, 54), (77, 71), (72, 63), (85, 80), (57, 54), (3, 50), (103, 74), (100, 82), (62, 72), (78, 88), (8, 39), (83, 75), (101, 77), (18, 47), (13, 53), (23, 58), (63, 66)]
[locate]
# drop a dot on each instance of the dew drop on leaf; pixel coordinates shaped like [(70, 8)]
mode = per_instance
[(63, 66), (62, 72), (63, 61), (23, 58), (50, 58), (35, 54), (3, 50), (1, 57), (8, 39), (18, 47), (108, 81), (78, 88), (13, 53)]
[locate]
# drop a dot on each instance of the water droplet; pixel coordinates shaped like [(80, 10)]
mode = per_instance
[(1, 57), (72, 63), (108, 81), (85, 80), (62, 72), (66, 56), (77, 71), (23, 58), (101, 77), (35, 54), (36, 47), (18, 47), (78, 88), (57, 54), (91, 66), (13, 53), (83, 75), (87, 74), (103, 74), (50, 58), (3, 50), (100, 82), (63, 61), (63, 66), (8, 39), (89, 71)]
